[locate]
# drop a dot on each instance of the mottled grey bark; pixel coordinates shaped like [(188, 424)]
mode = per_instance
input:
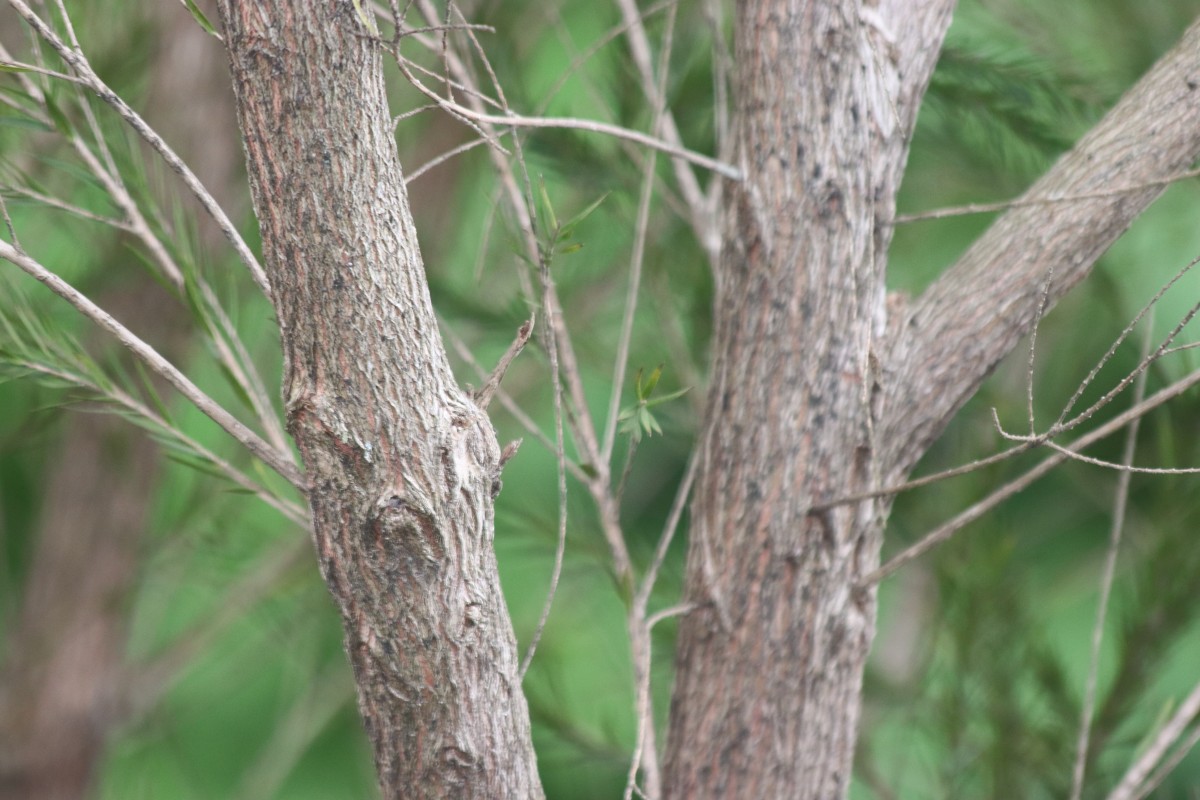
[(815, 394), (769, 669), (974, 314), (402, 466)]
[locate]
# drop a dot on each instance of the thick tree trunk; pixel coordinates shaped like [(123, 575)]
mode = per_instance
[(769, 669), (816, 396), (402, 465)]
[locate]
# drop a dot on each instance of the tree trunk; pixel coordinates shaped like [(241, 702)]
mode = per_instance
[(769, 669), (402, 465), (814, 394)]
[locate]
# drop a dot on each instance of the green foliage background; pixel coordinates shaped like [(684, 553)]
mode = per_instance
[(975, 686)]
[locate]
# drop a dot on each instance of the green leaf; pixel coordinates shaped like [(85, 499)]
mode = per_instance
[(568, 228), (238, 390), (648, 422), (571, 248), (651, 382), (668, 397), (198, 15), (548, 209), (637, 385), (14, 121), (57, 116), (151, 393), (198, 464)]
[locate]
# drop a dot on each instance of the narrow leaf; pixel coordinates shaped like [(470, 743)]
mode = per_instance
[(569, 226), (198, 15)]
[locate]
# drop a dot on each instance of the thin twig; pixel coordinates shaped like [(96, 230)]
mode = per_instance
[(949, 528), (677, 610), (1170, 733), (510, 405), (642, 598), (1005, 205), (278, 461), (598, 44), (1125, 334), (552, 341), (638, 256), (443, 158), (81, 66), (18, 66), (225, 340), (116, 395), (926, 480), (701, 214), (1120, 503), (484, 396), (1169, 764), (641, 644), (512, 120), (82, 213), (1037, 320)]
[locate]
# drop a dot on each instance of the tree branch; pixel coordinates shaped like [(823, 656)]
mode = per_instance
[(972, 316), (281, 462)]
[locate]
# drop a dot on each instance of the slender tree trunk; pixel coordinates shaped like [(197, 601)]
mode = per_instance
[(402, 465), (769, 669), (815, 394)]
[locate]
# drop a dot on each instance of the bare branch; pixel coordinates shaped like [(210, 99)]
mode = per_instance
[(1120, 503), (484, 396), (1131, 783), (961, 327), (512, 120), (949, 528), (637, 257), (73, 57), (1020, 202), (279, 461), (702, 212)]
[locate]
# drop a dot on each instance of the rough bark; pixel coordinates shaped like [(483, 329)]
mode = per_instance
[(769, 670), (809, 400), (804, 405), (401, 464), (970, 318)]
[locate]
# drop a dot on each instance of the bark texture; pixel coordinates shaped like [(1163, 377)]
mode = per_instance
[(402, 466), (970, 318), (815, 394), (769, 671)]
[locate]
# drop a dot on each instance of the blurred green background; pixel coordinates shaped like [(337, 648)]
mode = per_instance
[(235, 685)]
